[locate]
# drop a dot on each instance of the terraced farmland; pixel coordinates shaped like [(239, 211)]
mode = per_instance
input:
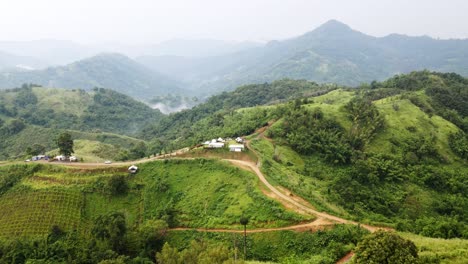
[(34, 212)]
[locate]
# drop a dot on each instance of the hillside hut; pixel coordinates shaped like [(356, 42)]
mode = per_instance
[(133, 169), (236, 148)]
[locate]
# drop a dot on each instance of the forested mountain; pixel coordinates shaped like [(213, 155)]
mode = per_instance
[(113, 71), (332, 53), (30, 115)]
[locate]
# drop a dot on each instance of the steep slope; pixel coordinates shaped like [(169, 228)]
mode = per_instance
[(112, 71), (332, 53)]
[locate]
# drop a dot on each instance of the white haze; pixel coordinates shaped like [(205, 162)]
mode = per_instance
[(136, 22)]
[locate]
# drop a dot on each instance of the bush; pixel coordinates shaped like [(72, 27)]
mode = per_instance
[(117, 185)]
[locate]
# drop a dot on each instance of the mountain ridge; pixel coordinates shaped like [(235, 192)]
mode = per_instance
[(331, 53), (108, 70)]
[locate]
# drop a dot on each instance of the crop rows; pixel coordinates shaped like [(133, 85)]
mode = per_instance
[(35, 212)]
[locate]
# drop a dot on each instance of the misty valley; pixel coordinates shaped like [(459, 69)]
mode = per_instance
[(333, 146)]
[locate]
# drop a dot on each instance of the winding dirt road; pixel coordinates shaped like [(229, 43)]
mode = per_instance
[(324, 219), (302, 207)]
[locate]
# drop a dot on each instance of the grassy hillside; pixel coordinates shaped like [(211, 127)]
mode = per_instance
[(405, 175), (37, 115), (101, 109), (446, 250), (393, 152), (89, 146), (193, 193)]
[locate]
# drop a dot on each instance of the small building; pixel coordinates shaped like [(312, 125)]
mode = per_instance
[(73, 159), (216, 145), (60, 158), (239, 140), (38, 157), (221, 140), (133, 169), (236, 148)]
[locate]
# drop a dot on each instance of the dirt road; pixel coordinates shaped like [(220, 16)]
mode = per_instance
[(296, 204), (319, 224)]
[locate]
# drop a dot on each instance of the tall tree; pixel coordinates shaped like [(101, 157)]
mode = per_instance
[(65, 144)]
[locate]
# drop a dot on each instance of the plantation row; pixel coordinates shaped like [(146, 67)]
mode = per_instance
[(34, 212)]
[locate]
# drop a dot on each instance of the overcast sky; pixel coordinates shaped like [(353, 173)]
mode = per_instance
[(151, 21)]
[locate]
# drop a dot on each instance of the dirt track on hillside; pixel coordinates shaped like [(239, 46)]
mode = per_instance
[(301, 207), (319, 224)]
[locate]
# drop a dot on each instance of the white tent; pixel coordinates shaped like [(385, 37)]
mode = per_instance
[(133, 169)]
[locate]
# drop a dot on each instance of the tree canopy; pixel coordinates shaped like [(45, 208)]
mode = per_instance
[(65, 144), (384, 247)]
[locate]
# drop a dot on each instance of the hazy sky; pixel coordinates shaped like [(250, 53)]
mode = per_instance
[(145, 21)]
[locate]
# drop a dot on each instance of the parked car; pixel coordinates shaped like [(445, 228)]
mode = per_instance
[(107, 162)]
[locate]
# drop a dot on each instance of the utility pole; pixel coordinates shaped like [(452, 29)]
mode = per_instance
[(244, 221)]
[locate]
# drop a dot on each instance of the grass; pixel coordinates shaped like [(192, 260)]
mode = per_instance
[(63, 100), (332, 105), (92, 151), (219, 154), (195, 193), (453, 251), (206, 193), (399, 124), (91, 144), (288, 170), (98, 204)]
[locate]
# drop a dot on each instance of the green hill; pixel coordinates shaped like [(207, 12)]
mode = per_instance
[(36, 115), (392, 152), (108, 70), (220, 114)]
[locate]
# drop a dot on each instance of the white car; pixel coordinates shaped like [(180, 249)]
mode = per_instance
[(107, 162)]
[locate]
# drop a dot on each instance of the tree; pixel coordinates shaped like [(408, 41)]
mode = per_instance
[(117, 185), (168, 255), (111, 228), (35, 149), (151, 234), (384, 247), (65, 144)]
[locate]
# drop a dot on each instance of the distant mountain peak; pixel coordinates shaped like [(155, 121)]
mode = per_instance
[(333, 26)]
